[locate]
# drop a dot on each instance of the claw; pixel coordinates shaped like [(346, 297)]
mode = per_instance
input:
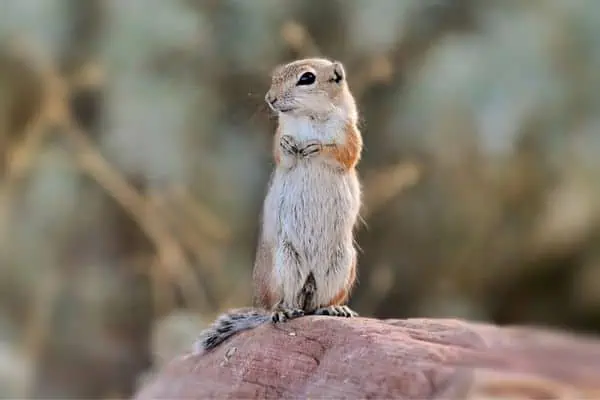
[(337, 311), (288, 144), (312, 147), (286, 314)]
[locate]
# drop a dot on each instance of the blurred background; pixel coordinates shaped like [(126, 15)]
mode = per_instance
[(136, 148)]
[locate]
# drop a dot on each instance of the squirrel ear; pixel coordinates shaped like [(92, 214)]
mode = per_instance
[(338, 72)]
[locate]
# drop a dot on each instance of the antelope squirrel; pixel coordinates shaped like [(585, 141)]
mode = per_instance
[(306, 258)]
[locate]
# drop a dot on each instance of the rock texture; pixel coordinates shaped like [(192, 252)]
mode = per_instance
[(324, 357)]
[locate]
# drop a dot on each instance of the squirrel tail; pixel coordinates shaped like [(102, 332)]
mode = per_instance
[(228, 325)]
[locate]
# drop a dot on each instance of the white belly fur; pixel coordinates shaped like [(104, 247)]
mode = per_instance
[(314, 208)]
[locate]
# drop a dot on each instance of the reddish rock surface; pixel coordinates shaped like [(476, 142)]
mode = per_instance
[(325, 357)]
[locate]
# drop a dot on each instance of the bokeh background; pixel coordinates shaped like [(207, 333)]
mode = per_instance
[(135, 154)]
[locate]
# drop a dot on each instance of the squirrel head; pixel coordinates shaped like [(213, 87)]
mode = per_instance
[(314, 88)]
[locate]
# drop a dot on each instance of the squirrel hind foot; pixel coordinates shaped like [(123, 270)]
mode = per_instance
[(336, 311), (286, 314)]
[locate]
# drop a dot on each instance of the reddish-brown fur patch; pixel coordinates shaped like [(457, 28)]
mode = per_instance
[(343, 294), (347, 155), (339, 299)]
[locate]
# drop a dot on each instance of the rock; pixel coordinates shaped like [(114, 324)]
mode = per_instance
[(325, 357)]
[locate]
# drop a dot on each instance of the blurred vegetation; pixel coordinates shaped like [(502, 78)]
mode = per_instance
[(136, 152)]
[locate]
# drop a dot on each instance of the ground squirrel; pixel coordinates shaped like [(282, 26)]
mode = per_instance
[(306, 258)]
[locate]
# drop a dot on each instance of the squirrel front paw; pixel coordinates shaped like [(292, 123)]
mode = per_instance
[(311, 148), (288, 145)]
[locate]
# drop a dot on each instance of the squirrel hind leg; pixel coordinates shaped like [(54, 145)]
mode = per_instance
[(336, 311), (282, 313), (228, 325), (305, 299)]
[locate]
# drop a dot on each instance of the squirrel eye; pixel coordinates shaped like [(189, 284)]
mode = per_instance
[(307, 78)]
